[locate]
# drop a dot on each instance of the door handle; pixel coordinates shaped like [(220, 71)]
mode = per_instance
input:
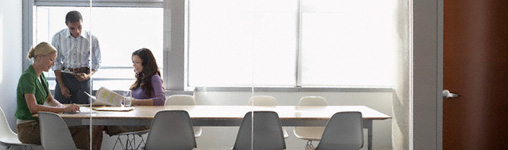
[(448, 94)]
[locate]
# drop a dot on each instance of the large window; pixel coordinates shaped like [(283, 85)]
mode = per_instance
[(120, 30), (241, 43), (292, 43)]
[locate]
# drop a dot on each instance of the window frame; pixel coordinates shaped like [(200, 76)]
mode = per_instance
[(175, 27), (28, 24)]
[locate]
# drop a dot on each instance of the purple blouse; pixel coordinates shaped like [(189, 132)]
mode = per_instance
[(158, 92)]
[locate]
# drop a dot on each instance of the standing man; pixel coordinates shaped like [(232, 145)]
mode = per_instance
[(72, 65)]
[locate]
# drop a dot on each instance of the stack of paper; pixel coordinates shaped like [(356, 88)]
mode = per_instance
[(113, 108)]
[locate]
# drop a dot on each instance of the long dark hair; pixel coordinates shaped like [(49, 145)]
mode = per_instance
[(150, 68)]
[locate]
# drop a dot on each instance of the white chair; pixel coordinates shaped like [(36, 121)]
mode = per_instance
[(264, 100), (184, 100), (310, 133), (343, 131), (267, 132), (8, 138), (171, 129), (55, 134)]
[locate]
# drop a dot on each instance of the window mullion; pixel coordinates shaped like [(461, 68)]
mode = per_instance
[(298, 72)]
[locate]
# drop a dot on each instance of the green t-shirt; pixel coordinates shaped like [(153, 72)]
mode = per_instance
[(28, 83)]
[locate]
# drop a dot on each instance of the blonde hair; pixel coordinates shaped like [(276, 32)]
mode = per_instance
[(43, 48)]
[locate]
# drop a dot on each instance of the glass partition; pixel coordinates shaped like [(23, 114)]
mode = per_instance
[(239, 56)]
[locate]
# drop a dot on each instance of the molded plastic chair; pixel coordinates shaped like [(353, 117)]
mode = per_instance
[(264, 100), (171, 129), (8, 138), (55, 134), (184, 100), (267, 132), (310, 133), (343, 131)]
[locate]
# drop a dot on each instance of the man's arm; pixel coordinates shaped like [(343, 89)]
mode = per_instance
[(63, 89)]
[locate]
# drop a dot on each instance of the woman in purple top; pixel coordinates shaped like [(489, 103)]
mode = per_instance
[(147, 90)]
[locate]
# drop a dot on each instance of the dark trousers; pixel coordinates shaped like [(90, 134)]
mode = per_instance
[(76, 89)]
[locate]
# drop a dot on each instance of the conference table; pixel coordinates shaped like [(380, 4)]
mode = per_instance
[(224, 115)]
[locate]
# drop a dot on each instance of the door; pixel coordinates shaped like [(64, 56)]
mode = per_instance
[(475, 66)]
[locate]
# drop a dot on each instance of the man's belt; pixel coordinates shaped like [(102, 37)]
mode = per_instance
[(79, 70)]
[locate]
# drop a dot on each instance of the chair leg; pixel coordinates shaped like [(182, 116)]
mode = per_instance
[(18, 147), (118, 140), (140, 142), (309, 144), (30, 147), (130, 142)]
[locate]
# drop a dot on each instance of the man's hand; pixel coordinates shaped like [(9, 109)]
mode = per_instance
[(65, 91), (82, 76)]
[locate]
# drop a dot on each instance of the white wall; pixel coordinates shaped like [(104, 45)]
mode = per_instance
[(401, 102), (10, 57)]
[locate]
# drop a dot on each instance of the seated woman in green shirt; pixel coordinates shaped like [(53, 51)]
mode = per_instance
[(32, 92)]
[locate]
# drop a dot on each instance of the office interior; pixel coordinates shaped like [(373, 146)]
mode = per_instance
[(413, 102)]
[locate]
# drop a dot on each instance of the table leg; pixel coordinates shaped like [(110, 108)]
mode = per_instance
[(369, 133)]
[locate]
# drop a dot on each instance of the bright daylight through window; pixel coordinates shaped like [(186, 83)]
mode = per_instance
[(287, 43)]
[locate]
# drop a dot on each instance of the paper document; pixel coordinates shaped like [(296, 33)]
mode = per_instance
[(114, 108), (106, 97), (82, 110)]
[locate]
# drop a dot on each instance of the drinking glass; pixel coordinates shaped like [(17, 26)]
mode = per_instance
[(127, 99)]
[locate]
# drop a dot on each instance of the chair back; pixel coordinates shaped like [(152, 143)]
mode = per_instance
[(55, 134), (6, 135), (313, 101), (343, 131), (310, 133), (263, 100), (184, 100), (267, 132), (171, 129), (180, 100)]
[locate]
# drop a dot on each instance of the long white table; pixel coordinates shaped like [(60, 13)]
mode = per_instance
[(225, 115)]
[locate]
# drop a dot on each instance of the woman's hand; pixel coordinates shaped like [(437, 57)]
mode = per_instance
[(71, 108), (59, 105)]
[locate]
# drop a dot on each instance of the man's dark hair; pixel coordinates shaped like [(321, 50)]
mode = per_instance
[(73, 16)]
